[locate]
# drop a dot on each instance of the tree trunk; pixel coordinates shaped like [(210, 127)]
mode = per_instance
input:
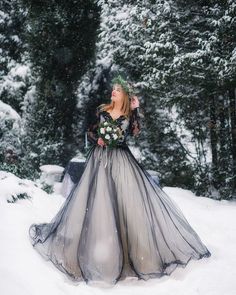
[(223, 142), (213, 139), (232, 99)]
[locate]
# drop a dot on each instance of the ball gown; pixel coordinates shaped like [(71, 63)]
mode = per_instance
[(117, 222)]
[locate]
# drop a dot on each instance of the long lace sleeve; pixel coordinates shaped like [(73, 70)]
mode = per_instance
[(93, 128), (135, 124)]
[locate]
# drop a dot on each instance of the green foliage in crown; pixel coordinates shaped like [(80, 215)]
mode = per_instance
[(124, 84)]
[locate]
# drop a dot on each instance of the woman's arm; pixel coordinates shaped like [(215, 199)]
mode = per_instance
[(92, 131), (135, 124)]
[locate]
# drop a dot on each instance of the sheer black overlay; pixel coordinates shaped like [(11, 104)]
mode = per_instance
[(117, 222)]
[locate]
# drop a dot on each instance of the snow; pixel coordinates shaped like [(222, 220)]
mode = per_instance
[(10, 85), (51, 168), (7, 112), (50, 173), (75, 159), (122, 16), (24, 272), (20, 70), (10, 126)]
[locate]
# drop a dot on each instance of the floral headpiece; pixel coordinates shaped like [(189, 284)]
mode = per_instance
[(124, 84)]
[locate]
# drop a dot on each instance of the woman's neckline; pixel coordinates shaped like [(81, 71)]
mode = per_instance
[(114, 119)]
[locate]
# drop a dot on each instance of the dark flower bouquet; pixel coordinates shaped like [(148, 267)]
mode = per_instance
[(110, 132)]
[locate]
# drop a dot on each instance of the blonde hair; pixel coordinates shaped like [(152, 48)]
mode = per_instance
[(126, 110)]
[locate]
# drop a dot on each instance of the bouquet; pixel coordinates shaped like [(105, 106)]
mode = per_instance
[(110, 132)]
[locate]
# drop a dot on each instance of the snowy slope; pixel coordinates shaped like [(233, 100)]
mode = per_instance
[(24, 272)]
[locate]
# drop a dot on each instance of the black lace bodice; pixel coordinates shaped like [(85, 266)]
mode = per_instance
[(130, 126)]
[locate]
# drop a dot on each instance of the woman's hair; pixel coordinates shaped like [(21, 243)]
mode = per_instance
[(127, 96)]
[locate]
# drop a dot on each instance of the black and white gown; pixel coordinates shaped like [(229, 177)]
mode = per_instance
[(117, 221)]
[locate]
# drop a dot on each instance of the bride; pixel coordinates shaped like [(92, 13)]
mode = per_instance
[(117, 222)]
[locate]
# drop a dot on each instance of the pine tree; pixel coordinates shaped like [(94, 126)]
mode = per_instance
[(60, 37), (206, 69), (186, 81), (14, 73)]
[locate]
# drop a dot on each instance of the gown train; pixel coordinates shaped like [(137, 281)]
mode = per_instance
[(117, 222)]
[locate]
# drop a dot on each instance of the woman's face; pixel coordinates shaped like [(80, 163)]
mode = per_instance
[(117, 93)]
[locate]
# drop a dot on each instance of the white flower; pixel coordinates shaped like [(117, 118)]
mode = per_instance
[(107, 136), (115, 136), (109, 129), (102, 130), (105, 124)]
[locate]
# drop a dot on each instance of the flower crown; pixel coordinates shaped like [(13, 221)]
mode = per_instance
[(124, 84)]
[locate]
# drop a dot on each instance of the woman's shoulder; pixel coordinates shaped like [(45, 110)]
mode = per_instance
[(102, 107)]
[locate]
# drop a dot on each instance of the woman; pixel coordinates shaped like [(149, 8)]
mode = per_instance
[(117, 221)]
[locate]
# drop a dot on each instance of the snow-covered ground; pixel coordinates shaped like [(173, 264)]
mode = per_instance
[(24, 272)]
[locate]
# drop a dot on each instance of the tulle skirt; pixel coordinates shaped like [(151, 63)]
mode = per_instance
[(117, 222)]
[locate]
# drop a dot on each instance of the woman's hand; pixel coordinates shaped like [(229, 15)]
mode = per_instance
[(101, 142), (134, 102)]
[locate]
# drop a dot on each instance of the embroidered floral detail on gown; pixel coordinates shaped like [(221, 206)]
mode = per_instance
[(117, 221)]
